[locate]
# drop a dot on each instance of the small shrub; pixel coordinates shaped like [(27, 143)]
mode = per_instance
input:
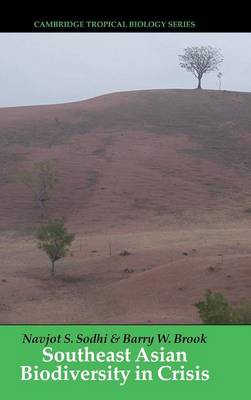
[(124, 253), (128, 270), (215, 309), (243, 314)]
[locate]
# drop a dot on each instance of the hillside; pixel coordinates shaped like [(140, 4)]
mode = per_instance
[(162, 173), (130, 157)]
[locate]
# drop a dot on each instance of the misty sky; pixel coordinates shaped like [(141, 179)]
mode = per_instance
[(45, 68)]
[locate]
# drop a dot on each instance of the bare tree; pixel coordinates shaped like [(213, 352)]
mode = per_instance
[(41, 179), (200, 60)]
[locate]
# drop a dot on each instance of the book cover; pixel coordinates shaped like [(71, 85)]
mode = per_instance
[(125, 207)]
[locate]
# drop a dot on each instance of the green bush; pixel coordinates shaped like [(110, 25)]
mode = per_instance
[(243, 314), (215, 309)]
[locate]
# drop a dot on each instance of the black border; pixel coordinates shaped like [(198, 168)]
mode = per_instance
[(208, 21)]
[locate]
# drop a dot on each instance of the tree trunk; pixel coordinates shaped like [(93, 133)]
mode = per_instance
[(52, 268), (42, 210), (199, 82), (41, 205)]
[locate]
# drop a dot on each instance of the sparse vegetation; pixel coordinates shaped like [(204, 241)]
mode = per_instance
[(216, 309), (55, 240), (124, 253), (244, 314), (129, 270), (41, 180), (163, 206)]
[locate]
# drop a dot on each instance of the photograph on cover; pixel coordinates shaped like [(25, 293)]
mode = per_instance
[(125, 173)]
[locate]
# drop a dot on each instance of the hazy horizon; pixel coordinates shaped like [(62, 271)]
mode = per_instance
[(53, 68)]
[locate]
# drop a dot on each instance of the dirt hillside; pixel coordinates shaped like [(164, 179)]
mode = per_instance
[(162, 173)]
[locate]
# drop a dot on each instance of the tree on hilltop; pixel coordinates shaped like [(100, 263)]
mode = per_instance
[(200, 60)]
